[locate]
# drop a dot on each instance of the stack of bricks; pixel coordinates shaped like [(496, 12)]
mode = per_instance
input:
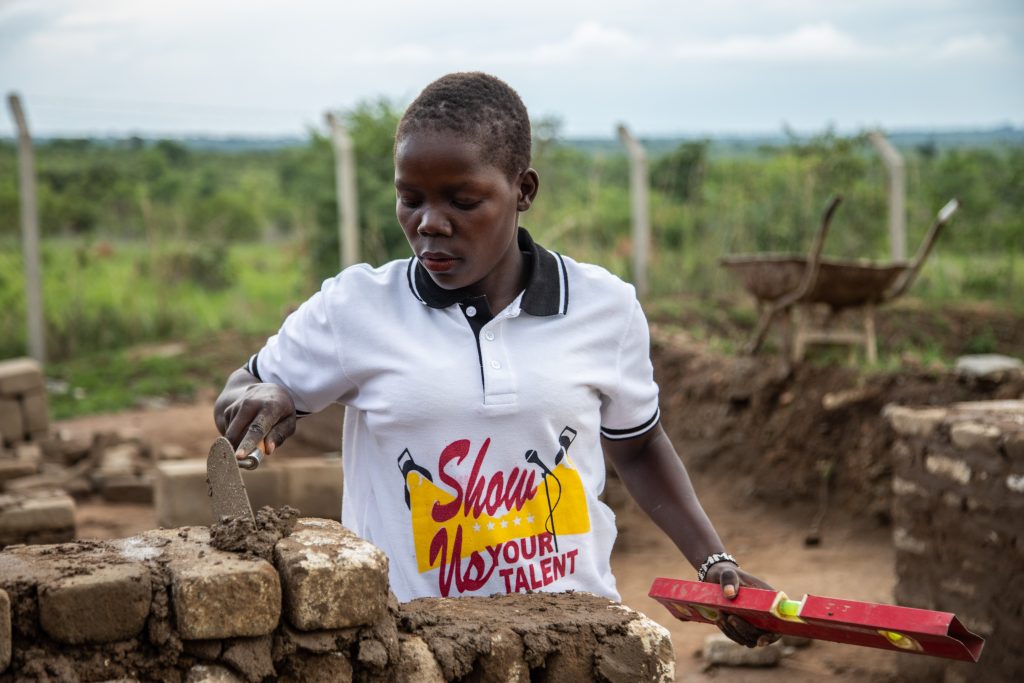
[(24, 417), (958, 507), (166, 605)]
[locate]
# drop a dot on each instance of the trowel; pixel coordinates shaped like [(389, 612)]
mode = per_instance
[(228, 496)]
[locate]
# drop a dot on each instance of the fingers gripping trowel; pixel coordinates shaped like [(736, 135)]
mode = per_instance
[(228, 497)]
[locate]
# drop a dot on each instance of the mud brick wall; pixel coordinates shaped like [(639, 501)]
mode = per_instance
[(168, 606), (24, 415), (958, 513)]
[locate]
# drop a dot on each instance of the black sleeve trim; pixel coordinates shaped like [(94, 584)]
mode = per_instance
[(622, 434)]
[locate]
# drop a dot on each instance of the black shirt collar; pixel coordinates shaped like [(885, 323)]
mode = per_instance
[(547, 287)]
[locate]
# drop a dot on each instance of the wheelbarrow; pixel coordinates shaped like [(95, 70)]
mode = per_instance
[(788, 284)]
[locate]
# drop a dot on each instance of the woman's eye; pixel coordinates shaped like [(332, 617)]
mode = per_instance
[(409, 202)]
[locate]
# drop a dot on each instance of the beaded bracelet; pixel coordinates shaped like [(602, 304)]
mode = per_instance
[(712, 560)]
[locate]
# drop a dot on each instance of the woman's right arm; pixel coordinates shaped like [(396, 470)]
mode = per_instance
[(250, 413)]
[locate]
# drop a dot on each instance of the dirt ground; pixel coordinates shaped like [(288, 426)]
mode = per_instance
[(770, 448)]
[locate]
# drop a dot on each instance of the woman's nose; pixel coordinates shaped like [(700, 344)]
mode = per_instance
[(434, 222)]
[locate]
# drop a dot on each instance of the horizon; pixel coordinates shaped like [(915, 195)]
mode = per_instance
[(732, 68)]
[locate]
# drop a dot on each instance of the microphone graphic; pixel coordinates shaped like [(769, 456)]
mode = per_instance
[(533, 458)]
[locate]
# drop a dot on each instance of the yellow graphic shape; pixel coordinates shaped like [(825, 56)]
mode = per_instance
[(570, 516)]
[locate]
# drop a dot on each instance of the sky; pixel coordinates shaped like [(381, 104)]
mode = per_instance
[(273, 67)]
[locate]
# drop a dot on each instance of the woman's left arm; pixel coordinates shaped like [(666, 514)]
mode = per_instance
[(655, 477)]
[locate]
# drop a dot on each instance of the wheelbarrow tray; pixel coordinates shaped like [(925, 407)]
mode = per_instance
[(839, 283)]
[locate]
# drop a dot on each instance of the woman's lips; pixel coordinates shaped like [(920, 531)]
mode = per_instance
[(437, 263)]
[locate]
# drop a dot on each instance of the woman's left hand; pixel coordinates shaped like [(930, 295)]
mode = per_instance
[(731, 578)]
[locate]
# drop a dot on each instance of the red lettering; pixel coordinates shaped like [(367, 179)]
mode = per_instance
[(506, 574), (546, 547), (475, 497), (482, 493), (535, 583), (559, 566), (545, 570), (572, 560), (477, 570), (457, 451), (529, 547), (512, 552), (521, 580)]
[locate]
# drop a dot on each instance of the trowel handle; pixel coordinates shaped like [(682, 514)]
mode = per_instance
[(251, 461)]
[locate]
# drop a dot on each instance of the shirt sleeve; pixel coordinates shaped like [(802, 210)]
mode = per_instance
[(304, 356), (630, 406)]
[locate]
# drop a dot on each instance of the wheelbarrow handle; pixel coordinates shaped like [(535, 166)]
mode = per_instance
[(941, 219)]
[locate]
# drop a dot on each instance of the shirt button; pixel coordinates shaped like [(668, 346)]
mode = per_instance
[(470, 311), (496, 365), (489, 336)]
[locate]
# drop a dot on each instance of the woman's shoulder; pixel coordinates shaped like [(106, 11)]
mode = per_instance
[(590, 279)]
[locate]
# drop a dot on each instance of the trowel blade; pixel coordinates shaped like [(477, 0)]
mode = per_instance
[(228, 497)]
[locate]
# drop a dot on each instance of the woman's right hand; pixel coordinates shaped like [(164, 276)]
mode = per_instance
[(250, 413)]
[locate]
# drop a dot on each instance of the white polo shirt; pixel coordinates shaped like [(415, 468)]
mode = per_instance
[(471, 443)]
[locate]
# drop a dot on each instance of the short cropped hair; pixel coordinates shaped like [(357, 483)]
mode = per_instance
[(479, 106)]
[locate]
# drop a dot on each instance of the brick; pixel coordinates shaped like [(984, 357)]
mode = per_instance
[(971, 436), (720, 651), (251, 657), (202, 649), (12, 469), (914, 421), (212, 673), (5, 630), (216, 594), (641, 635), (19, 375), (331, 577), (126, 489), (333, 667), (12, 425), (314, 486), (107, 603), (35, 412), (180, 493), (416, 663), (25, 515), (950, 468)]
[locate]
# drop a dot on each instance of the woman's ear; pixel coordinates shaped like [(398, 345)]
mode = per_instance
[(529, 183)]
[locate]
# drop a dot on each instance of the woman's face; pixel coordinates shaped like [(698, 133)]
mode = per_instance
[(459, 212)]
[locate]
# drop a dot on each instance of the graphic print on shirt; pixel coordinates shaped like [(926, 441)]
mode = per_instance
[(508, 523)]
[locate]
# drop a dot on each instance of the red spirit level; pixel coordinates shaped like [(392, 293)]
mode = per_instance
[(889, 627)]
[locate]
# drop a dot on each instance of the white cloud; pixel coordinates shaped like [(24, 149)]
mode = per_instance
[(813, 42), (973, 46), (587, 40)]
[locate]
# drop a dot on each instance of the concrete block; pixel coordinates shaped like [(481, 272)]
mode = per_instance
[(12, 425), (974, 436), (180, 493), (35, 411), (332, 578), (416, 663), (914, 421), (19, 375), (720, 651), (126, 488), (212, 673), (314, 486), (643, 652), (27, 515), (103, 604), (216, 594), (5, 630), (333, 667)]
